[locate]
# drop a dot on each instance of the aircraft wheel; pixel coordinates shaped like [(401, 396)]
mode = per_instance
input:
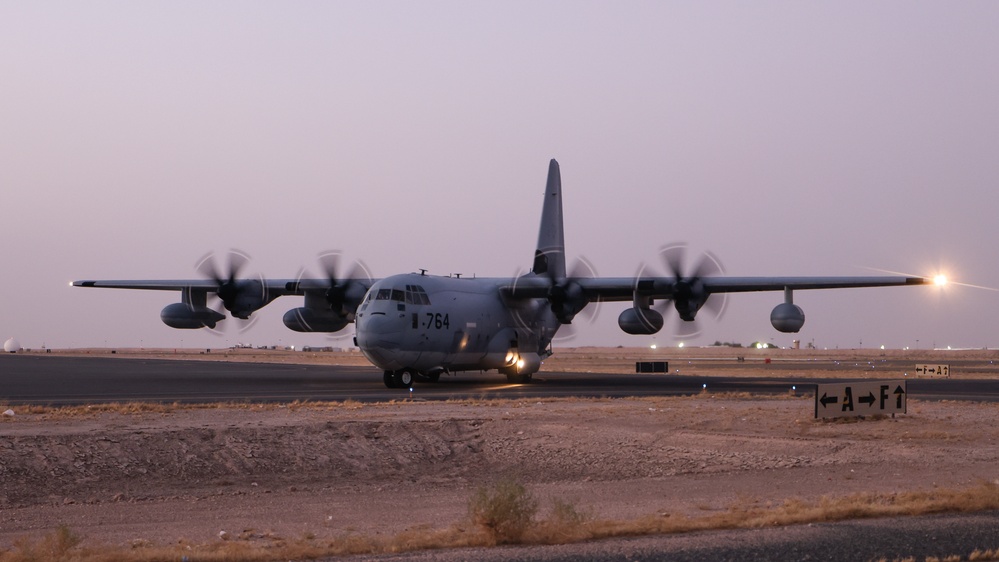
[(389, 379), (404, 378), (519, 379)]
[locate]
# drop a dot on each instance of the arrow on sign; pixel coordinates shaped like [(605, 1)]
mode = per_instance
[(826, 400), (899, 392), (869, 399)]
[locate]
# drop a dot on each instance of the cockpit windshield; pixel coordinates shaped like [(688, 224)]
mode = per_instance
[(413, 294), (416, 295)]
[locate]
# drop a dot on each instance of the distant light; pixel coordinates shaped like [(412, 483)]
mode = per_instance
[(882, 348), (681, 344), (940, 280), (653, 346)]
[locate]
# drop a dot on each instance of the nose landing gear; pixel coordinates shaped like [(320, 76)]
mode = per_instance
[(402, 378)]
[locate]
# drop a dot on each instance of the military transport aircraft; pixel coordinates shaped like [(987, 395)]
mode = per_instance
[(416, 326)]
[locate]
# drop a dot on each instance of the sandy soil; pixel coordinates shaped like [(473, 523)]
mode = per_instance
[(329, 470)]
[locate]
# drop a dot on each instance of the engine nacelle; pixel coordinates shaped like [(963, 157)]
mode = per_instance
[(306, 319), (184, 316), (644, 321), (787, 318)]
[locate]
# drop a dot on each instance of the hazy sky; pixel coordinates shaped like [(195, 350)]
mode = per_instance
[(788, 138)]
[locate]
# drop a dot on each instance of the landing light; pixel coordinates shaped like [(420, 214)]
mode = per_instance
[(940, 280)]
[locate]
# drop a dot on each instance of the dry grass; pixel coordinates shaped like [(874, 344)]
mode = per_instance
[(564, 524), (976, 555), (138, 408), (57, 545), (504, 511)]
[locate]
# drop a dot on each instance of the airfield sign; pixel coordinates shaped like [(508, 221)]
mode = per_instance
[(937, 370), (859, 398)]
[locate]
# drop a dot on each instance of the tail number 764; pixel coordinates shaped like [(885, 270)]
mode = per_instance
[(437, 321)]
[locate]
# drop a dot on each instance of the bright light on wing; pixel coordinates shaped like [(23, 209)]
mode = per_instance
[(940, 280)]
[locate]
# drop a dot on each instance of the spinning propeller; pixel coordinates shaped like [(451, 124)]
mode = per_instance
[(687, 288), (333, 305), (565, 298), (336, 294), (239, 296)]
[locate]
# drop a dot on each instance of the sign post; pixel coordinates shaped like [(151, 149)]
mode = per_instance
[(860, 398)]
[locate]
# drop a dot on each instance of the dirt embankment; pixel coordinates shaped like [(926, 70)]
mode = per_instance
[(327, 470)]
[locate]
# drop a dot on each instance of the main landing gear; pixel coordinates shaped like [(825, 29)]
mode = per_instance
[(515, 378)]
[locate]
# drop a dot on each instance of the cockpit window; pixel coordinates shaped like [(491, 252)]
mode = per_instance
[(416, 295)]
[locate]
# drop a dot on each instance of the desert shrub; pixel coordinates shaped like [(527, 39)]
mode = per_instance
[(504, 510), (564, 523), (53, 546)]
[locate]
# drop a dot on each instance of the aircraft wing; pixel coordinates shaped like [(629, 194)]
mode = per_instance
[(152, 285), (330, 304), (274, 287), (607, 289), (623, 289), (749, 284), (570, 295)]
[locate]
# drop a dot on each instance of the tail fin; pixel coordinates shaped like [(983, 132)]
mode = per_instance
[(549, 258)]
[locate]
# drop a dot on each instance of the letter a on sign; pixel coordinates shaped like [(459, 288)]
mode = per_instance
[(848, 399)]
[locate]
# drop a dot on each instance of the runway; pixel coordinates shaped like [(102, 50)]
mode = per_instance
[(61, 381)]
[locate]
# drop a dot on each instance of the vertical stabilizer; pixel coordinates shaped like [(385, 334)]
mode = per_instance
[(549, 258)]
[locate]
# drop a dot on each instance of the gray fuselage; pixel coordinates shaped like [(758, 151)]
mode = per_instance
[(436, 324)]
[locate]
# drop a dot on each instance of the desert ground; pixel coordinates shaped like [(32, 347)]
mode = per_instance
[(143, 476)]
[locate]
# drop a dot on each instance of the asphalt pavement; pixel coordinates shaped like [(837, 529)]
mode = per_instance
[(61, 380)]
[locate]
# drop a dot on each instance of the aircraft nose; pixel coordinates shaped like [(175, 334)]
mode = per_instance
[(378, 331), (380, 339)]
